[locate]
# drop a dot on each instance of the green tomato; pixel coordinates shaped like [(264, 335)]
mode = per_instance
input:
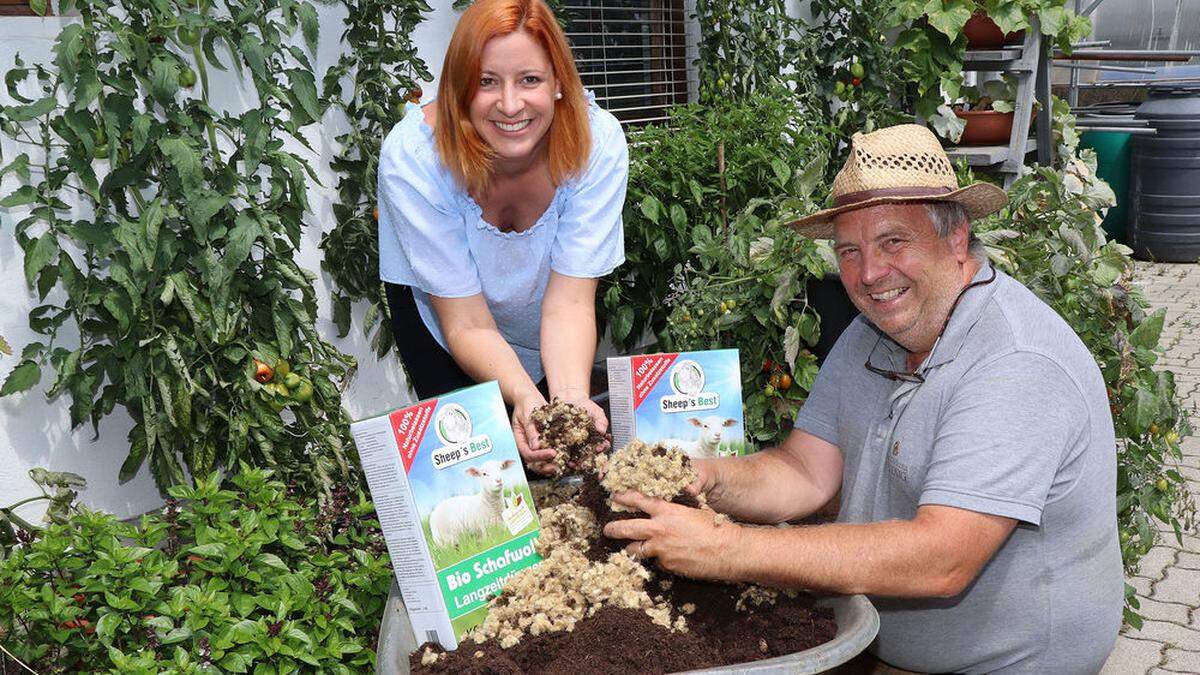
[(1162, 485), (187, 78), (282, 368), (769, 391), (857, 70), (291, 380), (839, 88), (303, 392), (188, 36)]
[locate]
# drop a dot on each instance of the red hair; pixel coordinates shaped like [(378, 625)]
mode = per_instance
[(459, 145)]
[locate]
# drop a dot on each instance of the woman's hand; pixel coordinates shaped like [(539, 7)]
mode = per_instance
[(537, 458), (580, 398)]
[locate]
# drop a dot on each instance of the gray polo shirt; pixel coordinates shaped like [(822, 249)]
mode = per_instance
[(1012, 420)]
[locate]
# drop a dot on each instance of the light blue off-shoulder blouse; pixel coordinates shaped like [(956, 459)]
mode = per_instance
[(432, 235)]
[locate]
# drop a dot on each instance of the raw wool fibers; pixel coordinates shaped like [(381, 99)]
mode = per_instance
[(653, 470), (590, 607), (566, 586), (569, 430)]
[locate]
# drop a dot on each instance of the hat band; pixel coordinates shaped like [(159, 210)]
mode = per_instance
[(867, 195)]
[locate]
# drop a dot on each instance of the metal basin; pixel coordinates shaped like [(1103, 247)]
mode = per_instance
[(857, 621)]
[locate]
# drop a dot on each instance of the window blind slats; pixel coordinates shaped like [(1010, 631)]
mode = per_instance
[(632, 55)]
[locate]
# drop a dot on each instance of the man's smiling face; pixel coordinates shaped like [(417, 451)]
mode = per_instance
[(899, 272), (514, 105)]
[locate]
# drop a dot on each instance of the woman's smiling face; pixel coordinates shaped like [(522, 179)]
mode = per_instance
[(514, 105)]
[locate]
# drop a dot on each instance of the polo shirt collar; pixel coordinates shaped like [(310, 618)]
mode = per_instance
[(965, 316)]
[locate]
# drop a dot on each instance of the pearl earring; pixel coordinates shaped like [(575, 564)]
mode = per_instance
[(557, 95)]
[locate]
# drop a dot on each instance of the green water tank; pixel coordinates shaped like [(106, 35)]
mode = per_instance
[(1113, 149)]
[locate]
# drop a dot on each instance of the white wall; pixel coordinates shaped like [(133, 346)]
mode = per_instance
[(36, 432)]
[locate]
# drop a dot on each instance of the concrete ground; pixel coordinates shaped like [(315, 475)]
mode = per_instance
[(1168, 580)]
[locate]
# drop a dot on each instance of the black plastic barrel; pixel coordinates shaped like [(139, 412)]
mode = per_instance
[(1164, 190)]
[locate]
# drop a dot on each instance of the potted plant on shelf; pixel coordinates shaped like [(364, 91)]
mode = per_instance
[(983, 115), (934, 41)]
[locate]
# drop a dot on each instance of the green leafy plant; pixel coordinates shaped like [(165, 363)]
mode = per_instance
[(178, 269), (706, 163), (233, 579), (934, 46), (742, 46), (377, 74), (60, 505), (845, 71), (1050, 239), (746, 288), (997, 95)]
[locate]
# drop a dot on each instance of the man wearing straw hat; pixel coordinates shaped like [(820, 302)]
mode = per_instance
[(967, 428)]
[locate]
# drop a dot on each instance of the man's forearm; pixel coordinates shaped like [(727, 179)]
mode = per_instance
[(770, 486), (890, 558)]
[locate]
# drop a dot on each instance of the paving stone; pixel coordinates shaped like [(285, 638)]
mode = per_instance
[(1154, 564), (1179, 585), (1141, 585), (1188, 560), (1167, 633), (1153, 610), (1131, 656), (1182, 660)]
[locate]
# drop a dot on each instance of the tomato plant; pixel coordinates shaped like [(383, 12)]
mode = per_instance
[(182, 272), (365, 85)]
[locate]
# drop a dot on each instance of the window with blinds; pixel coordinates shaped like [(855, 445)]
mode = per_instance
[(633, 54)]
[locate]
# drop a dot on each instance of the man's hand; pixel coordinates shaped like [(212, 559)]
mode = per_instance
[(683, 540), (706, 478), (537, 458)]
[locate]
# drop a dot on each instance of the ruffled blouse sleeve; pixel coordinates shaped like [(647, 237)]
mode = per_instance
[(422, 235), (591, 240)]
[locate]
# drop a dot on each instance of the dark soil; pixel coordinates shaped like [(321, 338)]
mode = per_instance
[(621, 641)]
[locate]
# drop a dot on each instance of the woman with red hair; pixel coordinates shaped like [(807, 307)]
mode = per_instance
[(499, 208)]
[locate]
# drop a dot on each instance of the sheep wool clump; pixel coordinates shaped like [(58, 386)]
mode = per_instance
[(569, 430), (566, 525), (653, 470), (566, 587)]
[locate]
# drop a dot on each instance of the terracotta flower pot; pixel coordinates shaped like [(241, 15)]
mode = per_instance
[(985, 127), (983, 33)]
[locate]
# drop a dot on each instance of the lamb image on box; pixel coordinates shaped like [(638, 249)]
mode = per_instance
[(708, 438), (691, 400), (474, 513)]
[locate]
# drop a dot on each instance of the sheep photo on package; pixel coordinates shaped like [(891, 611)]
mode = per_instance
[(689, 400), (454, 505)]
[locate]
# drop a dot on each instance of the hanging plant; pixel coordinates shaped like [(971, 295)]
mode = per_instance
[(177, 268)]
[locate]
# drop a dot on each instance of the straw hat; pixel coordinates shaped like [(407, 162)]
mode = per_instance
[(904, 163)]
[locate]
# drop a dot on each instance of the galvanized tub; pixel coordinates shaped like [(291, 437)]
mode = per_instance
[(857, 623)]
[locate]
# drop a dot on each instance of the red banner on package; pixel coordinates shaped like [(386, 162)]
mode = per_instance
[(409, 425), (647, 371)]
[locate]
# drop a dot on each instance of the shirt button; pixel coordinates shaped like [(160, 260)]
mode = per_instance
[(895, 448)]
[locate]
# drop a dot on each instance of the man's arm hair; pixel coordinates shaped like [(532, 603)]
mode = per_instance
[(777, 484)]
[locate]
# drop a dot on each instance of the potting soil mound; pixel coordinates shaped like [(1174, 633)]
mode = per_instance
[(591, 608)]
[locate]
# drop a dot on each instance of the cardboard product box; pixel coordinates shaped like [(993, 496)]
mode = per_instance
[(689, 399), (454, 505)]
